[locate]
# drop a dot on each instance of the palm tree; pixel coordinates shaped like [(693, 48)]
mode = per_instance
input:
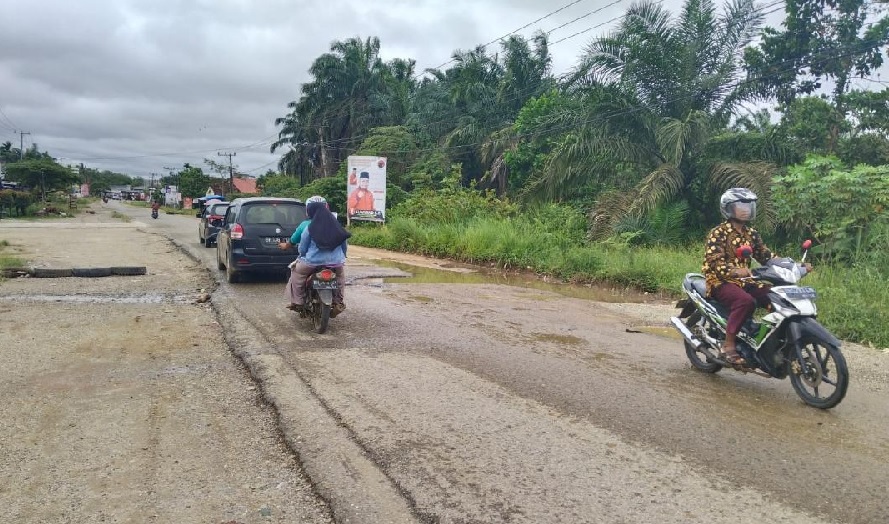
[(657, 91), (353, 90)]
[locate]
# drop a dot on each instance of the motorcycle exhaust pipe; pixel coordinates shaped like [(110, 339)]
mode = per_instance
[(680, 326)]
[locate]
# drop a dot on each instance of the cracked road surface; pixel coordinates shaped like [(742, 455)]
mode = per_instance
[(456, 400)]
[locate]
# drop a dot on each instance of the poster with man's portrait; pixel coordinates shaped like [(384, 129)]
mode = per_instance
[(366, 188)]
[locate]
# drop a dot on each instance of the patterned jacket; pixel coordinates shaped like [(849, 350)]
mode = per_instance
[(720, 258)]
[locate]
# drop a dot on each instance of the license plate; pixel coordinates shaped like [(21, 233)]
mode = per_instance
[(272, 240), (320, 284), (801, 293)]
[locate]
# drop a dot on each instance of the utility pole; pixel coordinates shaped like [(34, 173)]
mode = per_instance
[(323, 153), (22, 144), (231, 173)]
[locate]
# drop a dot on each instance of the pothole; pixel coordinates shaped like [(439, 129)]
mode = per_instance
[(142, 298)]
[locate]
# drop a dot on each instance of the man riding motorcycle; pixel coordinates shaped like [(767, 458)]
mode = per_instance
[(729, 248)]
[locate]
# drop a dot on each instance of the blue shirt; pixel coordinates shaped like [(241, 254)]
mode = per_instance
[(298, 234), (311, 254)]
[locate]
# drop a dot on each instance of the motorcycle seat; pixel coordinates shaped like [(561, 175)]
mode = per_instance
[(696, 282)]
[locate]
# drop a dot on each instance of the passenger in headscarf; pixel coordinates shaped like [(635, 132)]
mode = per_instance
[(323, 243)]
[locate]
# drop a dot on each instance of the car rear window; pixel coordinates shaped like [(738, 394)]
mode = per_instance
[(217, 209), (281, 213)]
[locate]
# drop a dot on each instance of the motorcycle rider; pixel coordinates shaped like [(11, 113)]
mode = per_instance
[(155, 206), (322, 242), (725, 267)]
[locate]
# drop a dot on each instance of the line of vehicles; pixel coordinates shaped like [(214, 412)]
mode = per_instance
[(247, 233)]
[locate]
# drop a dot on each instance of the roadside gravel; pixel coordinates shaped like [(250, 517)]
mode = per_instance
[(122, 402)]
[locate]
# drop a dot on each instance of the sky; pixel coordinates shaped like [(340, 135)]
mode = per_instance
[(141, 86)]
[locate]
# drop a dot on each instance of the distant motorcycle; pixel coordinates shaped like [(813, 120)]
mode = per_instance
[(787, 341), (154, 213)]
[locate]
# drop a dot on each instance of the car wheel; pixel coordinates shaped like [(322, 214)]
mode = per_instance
[(219, 265), (208, 242), (232, 276)]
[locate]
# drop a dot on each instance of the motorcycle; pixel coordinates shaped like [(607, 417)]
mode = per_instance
[(320, 287), (786, 341), (154, 213)]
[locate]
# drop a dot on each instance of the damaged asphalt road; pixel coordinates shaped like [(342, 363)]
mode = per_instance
[(462, 401)]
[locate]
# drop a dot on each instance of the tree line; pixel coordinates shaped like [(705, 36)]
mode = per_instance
[(654, 120)]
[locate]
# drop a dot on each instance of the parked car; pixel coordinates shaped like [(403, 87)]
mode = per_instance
[(250, 233), (211, 217)]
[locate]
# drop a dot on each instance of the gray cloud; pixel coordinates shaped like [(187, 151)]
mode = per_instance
[(134, 85)]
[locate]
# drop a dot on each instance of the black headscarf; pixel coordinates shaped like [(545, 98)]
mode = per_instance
[(324, 228)]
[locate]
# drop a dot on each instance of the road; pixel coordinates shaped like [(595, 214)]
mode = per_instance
[(456, 398)]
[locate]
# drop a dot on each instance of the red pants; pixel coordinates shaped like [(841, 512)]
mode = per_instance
[(741, 303)]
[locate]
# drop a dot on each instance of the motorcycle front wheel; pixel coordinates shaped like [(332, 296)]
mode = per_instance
[(320, 317), (697, 357), (821, 378)]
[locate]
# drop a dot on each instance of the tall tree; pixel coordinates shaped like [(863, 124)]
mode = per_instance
[(42, 173), (353, 90), (655, 92), (821, 40)]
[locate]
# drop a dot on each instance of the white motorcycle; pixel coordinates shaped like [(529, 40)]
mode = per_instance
[(787, 341)]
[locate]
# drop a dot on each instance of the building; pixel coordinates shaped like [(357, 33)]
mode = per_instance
[(246, 185)]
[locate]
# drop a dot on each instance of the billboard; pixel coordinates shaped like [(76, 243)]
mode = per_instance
[(366, 188)]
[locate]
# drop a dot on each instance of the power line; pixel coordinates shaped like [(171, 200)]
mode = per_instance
[(529, 24), (14, 127), (615, 2)]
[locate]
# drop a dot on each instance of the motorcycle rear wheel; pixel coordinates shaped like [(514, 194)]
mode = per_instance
[(320, 317), (697, 357), (810, 377)]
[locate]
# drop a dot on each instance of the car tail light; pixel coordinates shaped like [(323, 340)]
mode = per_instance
[(325, 274), (215, 217), (237, 232)]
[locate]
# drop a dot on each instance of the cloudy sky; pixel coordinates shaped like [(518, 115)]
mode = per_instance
[(136, 86)]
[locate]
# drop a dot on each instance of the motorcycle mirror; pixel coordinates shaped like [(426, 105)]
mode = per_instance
[(807, 244)]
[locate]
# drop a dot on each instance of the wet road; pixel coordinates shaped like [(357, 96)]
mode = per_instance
[(498, 403)]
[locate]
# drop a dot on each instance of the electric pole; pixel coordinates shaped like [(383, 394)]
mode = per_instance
[(22, 144), (231, 175)]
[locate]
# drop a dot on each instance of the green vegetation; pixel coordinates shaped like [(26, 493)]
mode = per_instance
[(551, 239), (121, 216), (8, 260)]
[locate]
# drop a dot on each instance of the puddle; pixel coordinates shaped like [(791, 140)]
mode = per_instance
[(565, 340), (105, 299), (424, 275)]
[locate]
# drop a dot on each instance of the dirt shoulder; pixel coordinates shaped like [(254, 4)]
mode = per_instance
[(122, 402)]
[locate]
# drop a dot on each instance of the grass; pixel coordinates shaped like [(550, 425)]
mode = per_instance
[(7, 260), (118, 214), (853, 301)]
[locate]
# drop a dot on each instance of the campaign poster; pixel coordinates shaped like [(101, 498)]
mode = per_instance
[(366, 188)]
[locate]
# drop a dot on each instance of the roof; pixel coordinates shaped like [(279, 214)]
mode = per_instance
[(247, 200), (246, 186)]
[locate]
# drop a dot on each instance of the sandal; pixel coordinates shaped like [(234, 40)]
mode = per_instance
[(295, 307), (734, 358)]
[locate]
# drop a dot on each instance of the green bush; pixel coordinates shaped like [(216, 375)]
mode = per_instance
[(853, 303)]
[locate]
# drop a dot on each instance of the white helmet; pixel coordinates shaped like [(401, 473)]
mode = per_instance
[(738, 203), (316, 198)]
